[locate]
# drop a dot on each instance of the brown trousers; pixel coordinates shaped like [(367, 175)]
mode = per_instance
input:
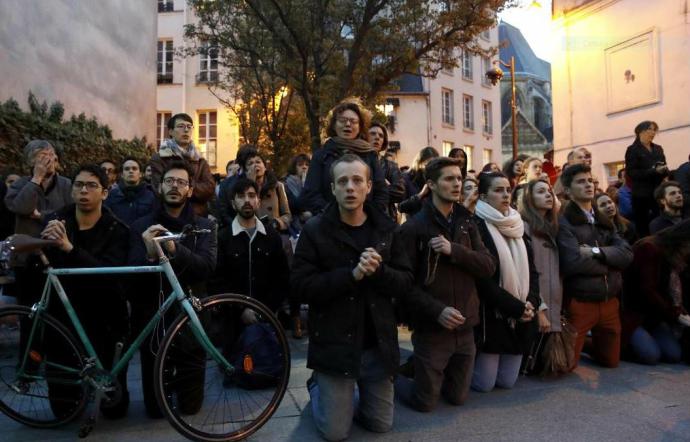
[(603, 319)]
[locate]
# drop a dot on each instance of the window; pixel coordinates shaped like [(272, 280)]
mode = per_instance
[(162, 126), (208, 64), (469, 151), (165, 61), (466, 65), (208, 127), (612, 170), (467, 112), (447, 147), (486, 66), (487, 117), (486, 156), (166, 5), (447, 107)]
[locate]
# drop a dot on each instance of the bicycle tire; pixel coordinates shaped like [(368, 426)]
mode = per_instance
[(26, 399), (181, 359)]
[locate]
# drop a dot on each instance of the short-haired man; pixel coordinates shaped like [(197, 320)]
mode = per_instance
[(447, 253), (193, 259), (110, 170), (88, 235), (132, 198), (251, 259), (669, 196), (579, 155), (592, 258), (343, 269), (179, 146)]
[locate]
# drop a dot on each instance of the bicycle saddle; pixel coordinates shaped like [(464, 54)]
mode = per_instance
[(21, 243)]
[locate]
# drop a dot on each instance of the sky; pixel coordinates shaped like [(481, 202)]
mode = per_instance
[(535, 24)]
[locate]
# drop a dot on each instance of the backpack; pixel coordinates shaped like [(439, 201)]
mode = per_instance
[(257, 357)]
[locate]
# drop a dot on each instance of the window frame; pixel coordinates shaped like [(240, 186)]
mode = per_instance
[(165, 49), (209, 74), (447, 107), (487, 117), (207, 149), (468, 117), (162, 118), (467, 67)]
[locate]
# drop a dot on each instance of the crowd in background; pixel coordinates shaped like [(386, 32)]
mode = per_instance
[(487, 268)]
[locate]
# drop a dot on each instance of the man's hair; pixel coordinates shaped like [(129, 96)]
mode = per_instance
[(355, 107), (300, 158), (435, 167), (241, 186), (569, 174), (248, 155), (35, 146), (485, 180), (129, 158), (107, 160), (620, 173), (660, 191), (179, 165), (93, 169), (182, 116), (348, 158), (384, 145)]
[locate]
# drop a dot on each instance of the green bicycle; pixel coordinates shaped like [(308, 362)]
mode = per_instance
[(47, 376)]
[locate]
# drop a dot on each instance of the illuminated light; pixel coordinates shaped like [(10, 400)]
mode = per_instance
[(248, 364), (35, 356), (535, 4)]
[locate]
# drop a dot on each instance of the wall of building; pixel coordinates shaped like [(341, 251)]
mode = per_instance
[(595, 38), (95, 57)]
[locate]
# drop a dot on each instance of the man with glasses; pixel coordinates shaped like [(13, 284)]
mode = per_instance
[(133, 197), (180, 146), (193, 259), (86, 234), (110, 170)]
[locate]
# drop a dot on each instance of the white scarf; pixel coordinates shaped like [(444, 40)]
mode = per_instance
[(507, 231)]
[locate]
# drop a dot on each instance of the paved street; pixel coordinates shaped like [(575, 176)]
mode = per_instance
[(631, 403)]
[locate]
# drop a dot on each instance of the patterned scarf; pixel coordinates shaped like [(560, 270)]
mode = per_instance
[(357, 145), (189, 153)]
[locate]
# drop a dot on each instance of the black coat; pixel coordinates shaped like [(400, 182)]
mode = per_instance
[(499, 330), (258, 269), (131, 203), (322, 277), (195, 256), (316, 193), (639, 166), (98, 299), (590, 279), (454, 277), (396, 188)]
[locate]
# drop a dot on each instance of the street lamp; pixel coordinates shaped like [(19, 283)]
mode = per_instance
[(494, 75)]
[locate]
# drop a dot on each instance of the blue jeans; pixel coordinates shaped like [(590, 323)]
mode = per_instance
[(658, 344), (495, 370), (334, 403)]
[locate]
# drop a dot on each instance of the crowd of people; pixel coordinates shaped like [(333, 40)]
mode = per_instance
[(480, 266)]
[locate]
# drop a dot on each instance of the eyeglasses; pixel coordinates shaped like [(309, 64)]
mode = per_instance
[(90, 185), (344, 121), (170, 181), (184, 126)]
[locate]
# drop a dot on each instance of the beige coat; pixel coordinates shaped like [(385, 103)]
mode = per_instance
[(550, 281)]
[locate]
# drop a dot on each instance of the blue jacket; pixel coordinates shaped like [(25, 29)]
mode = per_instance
[(131, 203)]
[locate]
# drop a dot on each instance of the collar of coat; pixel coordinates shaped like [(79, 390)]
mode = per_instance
[(237, 228), (379, 222), (69, 214), (430, 211), (575, 216)]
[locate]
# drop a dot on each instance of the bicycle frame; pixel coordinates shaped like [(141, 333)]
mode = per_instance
[(177, 295)]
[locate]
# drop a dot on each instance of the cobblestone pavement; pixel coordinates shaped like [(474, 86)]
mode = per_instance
[(631, 403)]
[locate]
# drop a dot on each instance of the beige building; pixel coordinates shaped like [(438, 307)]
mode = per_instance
[(95, 57), (183, 87), (458, 108), (617, 63)]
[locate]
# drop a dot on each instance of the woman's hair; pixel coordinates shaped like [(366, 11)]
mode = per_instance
[(485, 180), (300, 158), (458, 151), (508, 169), (545, 226), (470, 178), (487, 167), (619, 221), (423, 156), (355, 106), (384, 146), (675, 243), (527, 162), (643, 127)]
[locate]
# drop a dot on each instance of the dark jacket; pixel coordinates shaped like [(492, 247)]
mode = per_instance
[(98, 299), (499, 330), (131, 203), (414, 182), (23, 197), (396, 188), (590, 279), (338, 305), (6, 217), (316, 193), (646, 299), (639, 166), (682, 176), (662, 222), (258, 269), (195, 256), (453, 283)]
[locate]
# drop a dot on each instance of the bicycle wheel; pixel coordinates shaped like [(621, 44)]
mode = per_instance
[(46, 391), (202, 401)]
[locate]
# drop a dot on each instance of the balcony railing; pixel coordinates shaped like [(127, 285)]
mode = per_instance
[(207, 77), (165, 78), (165, 6)]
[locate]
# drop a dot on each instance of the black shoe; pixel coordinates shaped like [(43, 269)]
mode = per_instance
[(407, 369)]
